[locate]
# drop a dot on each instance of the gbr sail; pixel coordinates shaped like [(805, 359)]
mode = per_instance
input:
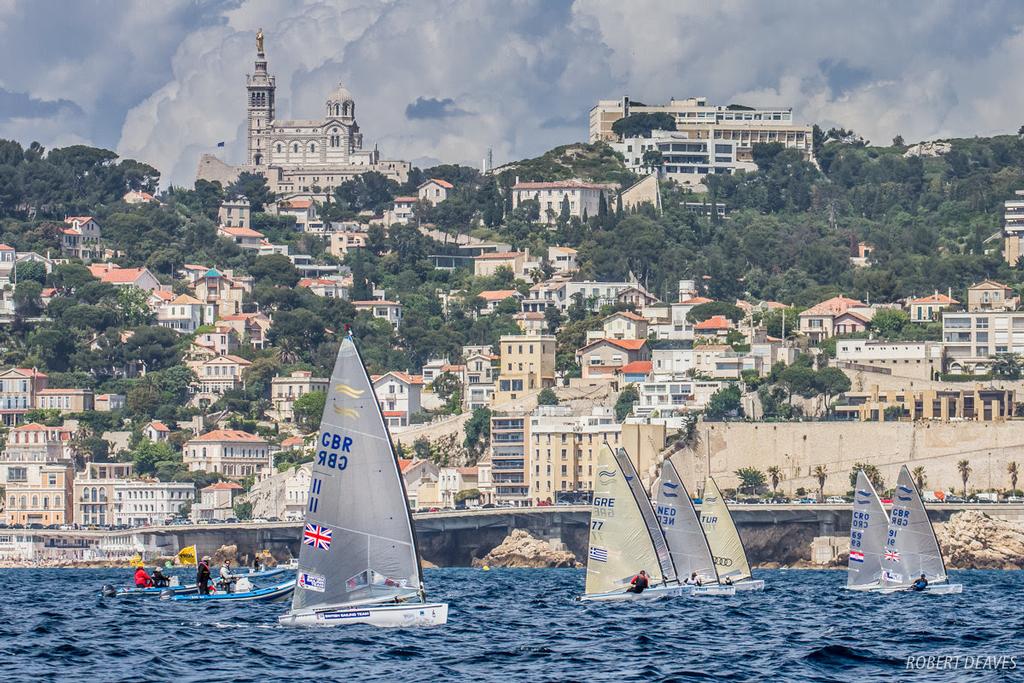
[(723, 538), (686, 541), (620, 540), (357, 545), (867, 536), (911, 548)]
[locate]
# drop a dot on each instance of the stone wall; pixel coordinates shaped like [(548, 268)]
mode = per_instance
[(798, 447)]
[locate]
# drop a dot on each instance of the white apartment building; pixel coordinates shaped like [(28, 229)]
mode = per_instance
[(667, 394), (94, 491), (563, 259), (672, 361), (380, 308), (971, 339), (231, 452), (743, 126), (1013, 228), (683, 157), (150, 503), (583, 199), (920, 360), (285, 390), (283, 495), (399, 396), (184, 314)]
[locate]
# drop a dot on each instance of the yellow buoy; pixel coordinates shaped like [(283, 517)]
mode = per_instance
[(486, 568)]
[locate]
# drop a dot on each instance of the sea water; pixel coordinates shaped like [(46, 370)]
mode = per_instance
[(522, 625)]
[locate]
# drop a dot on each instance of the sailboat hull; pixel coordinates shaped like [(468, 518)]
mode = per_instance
[(712, 591), (655, 593), (751, 585), (386, 616), (932, 588)]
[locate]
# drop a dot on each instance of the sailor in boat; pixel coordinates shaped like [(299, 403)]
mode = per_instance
[(920, 584), (693, 580), (727, 581), (203, 575), (160, 580), (142, 579), (227, 579), (639, 583)]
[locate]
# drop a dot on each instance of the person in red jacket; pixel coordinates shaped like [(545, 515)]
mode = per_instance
[(639, 583), (142, 579)]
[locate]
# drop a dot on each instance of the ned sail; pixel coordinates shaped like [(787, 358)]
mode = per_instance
[(686, 541)]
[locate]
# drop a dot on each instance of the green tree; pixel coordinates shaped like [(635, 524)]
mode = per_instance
[(133, 307), (798, 380), (872, 473), (750, 478), (147, 455), (547, 397), (143, 399), (964, 468), (253, 187), (821, 474), (1007, 366), (641, 125), (831, 382), (309, 409), (624, 403), (889, 322), (725, 403), (781, 323), (27, 298), (243, 509), (478, 433), (276, 270), (919, 477), (776, 475), (702, 312), (30, 270)]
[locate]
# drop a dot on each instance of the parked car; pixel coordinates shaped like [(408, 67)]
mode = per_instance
[(231, 520), (954, 499), (836, 500), (807, 501), (489, 506), (434, 510), (273, 519), (1015, 499), (35, 525)]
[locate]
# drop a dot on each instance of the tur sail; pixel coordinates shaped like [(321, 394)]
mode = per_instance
[(911, 548), (686, 541), (661, 549), (357, 544), (867, 535), (620, 542), (723, 538)]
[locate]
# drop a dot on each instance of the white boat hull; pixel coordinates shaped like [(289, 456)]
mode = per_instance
[(654, 593), (933, 588), (386, 616), (749, 585), (712, 591)]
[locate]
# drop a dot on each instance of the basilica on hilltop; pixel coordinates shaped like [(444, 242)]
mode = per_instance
[(302, 157)]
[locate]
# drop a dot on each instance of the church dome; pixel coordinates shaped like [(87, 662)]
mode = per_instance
[(340, 94)]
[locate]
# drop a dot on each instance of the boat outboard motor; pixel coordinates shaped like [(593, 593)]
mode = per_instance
[(166, 594), (108, 591)]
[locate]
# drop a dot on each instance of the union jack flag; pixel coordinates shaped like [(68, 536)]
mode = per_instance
[(317, 536), (893, 555)]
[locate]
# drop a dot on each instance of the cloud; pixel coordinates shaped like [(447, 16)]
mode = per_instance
[(433, 108), (17, 105), (165, 81)]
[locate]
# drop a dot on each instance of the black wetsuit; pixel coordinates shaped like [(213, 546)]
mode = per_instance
[(638, 584), (920, 585), (203, 578)]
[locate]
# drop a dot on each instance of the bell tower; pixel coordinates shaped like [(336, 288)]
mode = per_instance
[(260, 86)]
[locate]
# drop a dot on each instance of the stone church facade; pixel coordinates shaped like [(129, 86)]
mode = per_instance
[(302, 157)]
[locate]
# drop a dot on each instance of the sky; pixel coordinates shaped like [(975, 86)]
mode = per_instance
[(444, 80)]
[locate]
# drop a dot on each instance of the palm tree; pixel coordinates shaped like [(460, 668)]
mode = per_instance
[(1013, 471), (919, 477), (964, 467), (821, 475), (776, 474)]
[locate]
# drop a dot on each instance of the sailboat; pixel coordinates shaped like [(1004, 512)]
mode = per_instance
[(625, 536), (687, 544), (724, 540), (868, 528), (358, 562), (911, 549)]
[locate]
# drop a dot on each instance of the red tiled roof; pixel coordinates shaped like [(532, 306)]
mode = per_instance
[(834, 306), (229, 435), (401, 376), (497, 294), (78, 219), (498, 255), (6, 247), (629, 315), (697, 301), (223, 486), (628, 344), (292, 441), (299, 203), (468, 471), (394, 413), (406, 200), (241, 232), (159, 426), (715, 322), (404, 464), (637, 367), (443, 183), (936, 298)]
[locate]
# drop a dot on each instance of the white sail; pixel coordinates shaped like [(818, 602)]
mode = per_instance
[(661, 549), (723, 538), (867, 535), (620, 543), (358, 545), (911, 548), (686, 541)]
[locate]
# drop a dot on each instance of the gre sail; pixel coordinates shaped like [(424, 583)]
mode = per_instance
[(911, 548), (686, 541), (358, 547), (867, 536), (723, 538), (620, 539)]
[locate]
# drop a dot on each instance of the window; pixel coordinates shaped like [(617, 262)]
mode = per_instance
[(295, 147)]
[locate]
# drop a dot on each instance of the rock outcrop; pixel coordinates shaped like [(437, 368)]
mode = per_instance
[(520, 549), (973, 540), (928, 149), (225, 552)]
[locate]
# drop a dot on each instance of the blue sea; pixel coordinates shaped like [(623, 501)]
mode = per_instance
[(522, 625)]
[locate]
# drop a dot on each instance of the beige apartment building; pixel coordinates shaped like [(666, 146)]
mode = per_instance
[(94, 491), (231, 452), (741, 126), (527, 364), (285, 390), (43, 497), (563, 449), (65, 400), (979, 403)]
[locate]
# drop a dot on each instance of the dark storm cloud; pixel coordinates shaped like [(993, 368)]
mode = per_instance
[(432, 108), (22, 105)]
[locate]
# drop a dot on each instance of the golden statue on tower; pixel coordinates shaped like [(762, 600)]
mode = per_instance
[(259, 41)]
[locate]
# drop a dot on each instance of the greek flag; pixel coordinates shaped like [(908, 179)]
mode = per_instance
[(599, 554)]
